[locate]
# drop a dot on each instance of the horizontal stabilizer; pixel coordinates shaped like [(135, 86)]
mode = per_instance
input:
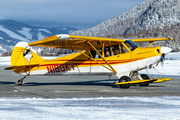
[(16, 67), (23, 68)]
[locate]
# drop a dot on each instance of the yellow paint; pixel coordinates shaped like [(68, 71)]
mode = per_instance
[(17, 58), (19, 64), (79, 42), (150, 44), (79, 59)]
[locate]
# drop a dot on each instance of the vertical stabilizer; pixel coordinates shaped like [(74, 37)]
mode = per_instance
[(23, 59), (23, 55)]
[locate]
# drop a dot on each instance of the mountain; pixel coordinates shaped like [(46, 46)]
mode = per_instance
[(12, 32), (151, 18), (149, 15)]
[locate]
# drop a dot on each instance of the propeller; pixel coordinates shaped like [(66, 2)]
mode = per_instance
[(164, 51), (162, 59)]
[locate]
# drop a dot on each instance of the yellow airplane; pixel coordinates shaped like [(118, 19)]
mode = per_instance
[(96, 56)]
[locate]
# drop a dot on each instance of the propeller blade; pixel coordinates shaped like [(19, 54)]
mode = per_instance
[(164, 51), (162, 59)]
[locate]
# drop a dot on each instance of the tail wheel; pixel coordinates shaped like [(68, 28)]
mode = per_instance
[(124, 79), (145, 77)]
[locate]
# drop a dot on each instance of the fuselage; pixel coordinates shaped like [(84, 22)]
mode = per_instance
[(78, 64)]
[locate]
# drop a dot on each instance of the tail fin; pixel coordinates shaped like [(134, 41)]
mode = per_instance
[(23, 57)]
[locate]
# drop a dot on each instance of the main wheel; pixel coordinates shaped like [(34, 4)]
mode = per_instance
[(145, 77), (124, 79), (19, 82)]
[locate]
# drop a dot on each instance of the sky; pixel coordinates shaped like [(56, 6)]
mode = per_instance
[(80, 14)]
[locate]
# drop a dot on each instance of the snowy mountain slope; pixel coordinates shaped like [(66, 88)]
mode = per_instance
[(12, 32), (3, 48), (150, 14)]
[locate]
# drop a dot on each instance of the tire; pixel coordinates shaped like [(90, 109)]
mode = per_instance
[(124, 79), (145, 77)]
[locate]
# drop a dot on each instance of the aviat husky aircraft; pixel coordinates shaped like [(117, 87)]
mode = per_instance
[(96, 56)]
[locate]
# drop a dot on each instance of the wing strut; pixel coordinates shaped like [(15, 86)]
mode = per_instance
[(95, 61), (112, 69), (150, 44)]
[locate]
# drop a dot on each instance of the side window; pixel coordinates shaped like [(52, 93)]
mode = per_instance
[(107, 51), (119, 49), (93, 53), (124, 50)]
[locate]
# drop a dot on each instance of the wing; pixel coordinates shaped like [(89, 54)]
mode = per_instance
[(80, 42), (76, 42), (146, 41)]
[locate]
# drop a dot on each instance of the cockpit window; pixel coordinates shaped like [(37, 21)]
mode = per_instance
[(131, 45)]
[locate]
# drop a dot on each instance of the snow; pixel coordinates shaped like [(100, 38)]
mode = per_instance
[(5, 61), (64, 28), (11, 46), (91, 108), (45, 30), (12, 34), (170, 66), (8, 40), (2, 48), (26, 32), (40, 36), (173, 56)]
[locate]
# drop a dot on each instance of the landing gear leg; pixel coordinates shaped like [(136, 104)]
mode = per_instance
[(141, 77), (158, 72), (145, 77), (20, 82)]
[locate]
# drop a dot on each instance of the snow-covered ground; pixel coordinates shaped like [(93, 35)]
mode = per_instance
[(123, 108), (5, 61), (170, 66)]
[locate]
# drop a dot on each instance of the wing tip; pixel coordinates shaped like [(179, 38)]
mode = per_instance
[(170, 38)]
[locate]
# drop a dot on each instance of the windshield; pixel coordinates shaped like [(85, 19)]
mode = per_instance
[(131, 45)]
